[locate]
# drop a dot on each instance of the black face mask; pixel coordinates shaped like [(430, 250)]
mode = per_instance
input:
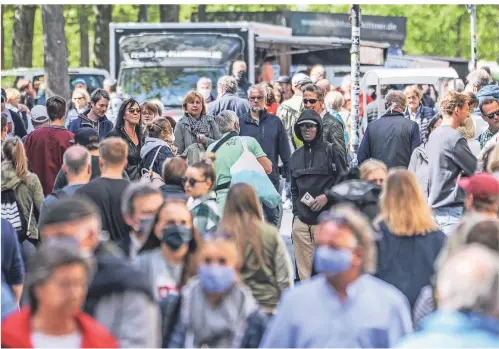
[(175, 236), (240, 75)]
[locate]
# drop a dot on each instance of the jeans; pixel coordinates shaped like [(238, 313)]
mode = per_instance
[(273, 215), (447, 218)]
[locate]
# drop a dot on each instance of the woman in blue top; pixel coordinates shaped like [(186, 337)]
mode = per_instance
[(408, 239)]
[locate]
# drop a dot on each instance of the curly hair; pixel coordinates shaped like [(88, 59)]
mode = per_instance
[(452, 101)]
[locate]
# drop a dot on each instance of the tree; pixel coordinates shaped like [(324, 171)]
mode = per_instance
[(103, 16), (2, 59), (22, 38), (55, 57), (142, 13), (169, 13), (202, 13), (83, 14)]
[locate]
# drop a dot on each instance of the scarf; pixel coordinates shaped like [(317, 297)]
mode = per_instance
[(199, 126), (215, 326)]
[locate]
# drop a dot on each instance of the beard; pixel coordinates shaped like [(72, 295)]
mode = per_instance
[(256, 109)]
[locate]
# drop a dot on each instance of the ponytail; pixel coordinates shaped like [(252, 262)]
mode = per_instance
[(13, 150), (207, 167)]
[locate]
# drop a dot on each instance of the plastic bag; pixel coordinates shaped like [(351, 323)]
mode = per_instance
[(248, 170)]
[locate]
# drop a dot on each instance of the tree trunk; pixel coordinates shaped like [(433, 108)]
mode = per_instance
[(103, 16), (458, 35), (55, 57), (2, 59), (83, 15), (201, 13), (22, 36), (169, 13), (143, 13)]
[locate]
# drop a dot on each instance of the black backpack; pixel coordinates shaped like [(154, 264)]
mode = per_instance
[(11, 211)]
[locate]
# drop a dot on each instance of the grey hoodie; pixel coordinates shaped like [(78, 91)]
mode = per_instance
[(150, 144), (419, 167)]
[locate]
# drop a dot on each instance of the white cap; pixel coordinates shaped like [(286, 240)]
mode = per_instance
[(39, 114)]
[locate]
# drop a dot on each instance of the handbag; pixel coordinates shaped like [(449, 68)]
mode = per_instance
[(151, 177), (248, 170)]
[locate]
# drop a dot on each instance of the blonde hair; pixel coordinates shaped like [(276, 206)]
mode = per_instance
[(468, 131), (191, 96), (451, 101), (113, 150), (413, 89), (334, 100), (371, 165), (12, 94), (402, 216)]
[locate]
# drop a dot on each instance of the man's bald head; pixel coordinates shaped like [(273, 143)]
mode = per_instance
[(324, 85), (76, 160)]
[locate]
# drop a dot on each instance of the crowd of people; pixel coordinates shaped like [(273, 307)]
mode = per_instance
[(123, 227)]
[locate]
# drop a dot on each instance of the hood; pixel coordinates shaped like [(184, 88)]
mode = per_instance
[(421, 151), (312, 116), (84, 116), (150, 144), (9, 177), (488, 91)]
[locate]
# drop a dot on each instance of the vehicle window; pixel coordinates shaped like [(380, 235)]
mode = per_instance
[(170, 84), (93, 81)]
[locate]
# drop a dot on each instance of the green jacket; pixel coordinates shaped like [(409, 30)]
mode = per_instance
[(28, 195), (268, 282)]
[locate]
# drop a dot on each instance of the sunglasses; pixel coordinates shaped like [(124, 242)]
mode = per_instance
[(309, 101), (192, 181), (134, 110), (307, 126), (492, 115), (257, 98)]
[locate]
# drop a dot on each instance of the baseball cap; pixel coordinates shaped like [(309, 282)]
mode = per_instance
[(78, 81), (300, 79), (39, 114), (4, 95), (307, 122), (482, 184), (87, 137), (284, 79)]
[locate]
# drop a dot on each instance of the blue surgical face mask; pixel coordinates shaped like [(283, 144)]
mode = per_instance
[(329, 260), (216, 278)]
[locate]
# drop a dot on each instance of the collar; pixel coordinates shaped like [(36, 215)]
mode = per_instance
[(407, 112), (461, 321), (324, 112), (353, 288), (200, 200)]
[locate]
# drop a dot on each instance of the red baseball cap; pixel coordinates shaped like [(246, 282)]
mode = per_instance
[(482, 184)]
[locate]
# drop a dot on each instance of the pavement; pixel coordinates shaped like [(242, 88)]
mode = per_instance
[(286, 226)]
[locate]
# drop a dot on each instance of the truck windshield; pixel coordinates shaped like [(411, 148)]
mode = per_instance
[(169, 84)]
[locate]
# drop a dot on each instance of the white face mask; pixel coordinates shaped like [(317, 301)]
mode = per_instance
[(205, 92)]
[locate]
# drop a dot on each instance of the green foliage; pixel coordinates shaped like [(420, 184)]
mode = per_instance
[(431, 29)]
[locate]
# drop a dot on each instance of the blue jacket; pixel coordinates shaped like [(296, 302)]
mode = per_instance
[(426, 114), (272, 137), (446, 329), (103, 126), (407, 262), (148, 152), (12, 262), (391, 139), (229, 101)]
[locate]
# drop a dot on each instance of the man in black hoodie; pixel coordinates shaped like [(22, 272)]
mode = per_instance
[(315, 168)]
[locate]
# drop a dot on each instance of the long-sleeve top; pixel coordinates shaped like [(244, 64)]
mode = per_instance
[(374, 315), (12, 262), (449, 157)]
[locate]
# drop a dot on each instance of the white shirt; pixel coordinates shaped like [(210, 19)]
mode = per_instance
[(41, 340)]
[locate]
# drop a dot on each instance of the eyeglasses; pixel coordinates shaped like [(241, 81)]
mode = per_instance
[(192, 181), (492, 115), (307, 126), (256, 98), (309, 101), (134, 110)]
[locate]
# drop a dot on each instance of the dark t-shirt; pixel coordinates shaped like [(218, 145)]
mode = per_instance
[(106, 194), (61, 180)]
